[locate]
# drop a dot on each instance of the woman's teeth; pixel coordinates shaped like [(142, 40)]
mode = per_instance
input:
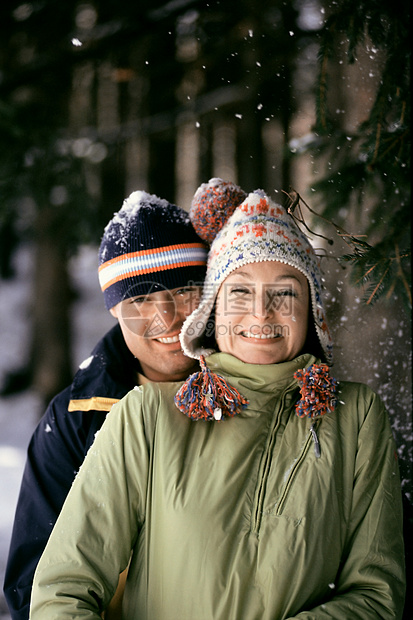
[(260, 336), (169, 340)]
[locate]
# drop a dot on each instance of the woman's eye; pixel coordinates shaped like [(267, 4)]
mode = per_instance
[(286, 293), (239, 290), (138, 300)]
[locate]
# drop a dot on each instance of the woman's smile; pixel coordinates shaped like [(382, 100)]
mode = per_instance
[(267, 332)]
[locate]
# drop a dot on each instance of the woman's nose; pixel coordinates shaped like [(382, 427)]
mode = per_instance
[(262, 305)]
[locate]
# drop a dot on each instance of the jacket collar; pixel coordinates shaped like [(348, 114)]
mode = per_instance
[(250, 379)]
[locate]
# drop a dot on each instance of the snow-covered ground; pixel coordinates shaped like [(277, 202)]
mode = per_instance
[(19, 413)]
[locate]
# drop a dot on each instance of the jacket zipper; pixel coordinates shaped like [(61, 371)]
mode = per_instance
[(312, 437), (313, 431), (267, 465), (287, 486)]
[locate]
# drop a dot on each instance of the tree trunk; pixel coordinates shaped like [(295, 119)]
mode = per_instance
[(50, 357), (249, 150)]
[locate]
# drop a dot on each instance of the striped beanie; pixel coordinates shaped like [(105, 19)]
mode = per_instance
[(149, 245), (256, 230)]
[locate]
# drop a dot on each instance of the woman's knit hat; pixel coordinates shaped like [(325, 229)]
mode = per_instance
[(149, 245), (254, 230)]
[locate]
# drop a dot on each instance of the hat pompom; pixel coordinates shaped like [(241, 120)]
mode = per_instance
[(212, 205)]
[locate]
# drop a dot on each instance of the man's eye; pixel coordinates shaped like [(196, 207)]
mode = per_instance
[(138, 300), (184, 291), (188, 291)]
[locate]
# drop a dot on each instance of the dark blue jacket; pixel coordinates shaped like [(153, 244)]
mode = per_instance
[(56, 451)]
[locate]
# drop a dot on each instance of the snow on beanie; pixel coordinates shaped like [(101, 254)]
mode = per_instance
[(257, 230), (149, 245)]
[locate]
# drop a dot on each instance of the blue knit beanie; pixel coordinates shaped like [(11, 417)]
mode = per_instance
[(148, 246)]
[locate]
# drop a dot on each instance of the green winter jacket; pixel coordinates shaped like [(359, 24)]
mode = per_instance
[(232, 520)]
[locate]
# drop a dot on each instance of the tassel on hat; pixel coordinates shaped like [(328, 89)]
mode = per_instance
[(207, 396), (317, 390)]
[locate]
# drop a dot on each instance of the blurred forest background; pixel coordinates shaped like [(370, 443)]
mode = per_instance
[(309, 98)]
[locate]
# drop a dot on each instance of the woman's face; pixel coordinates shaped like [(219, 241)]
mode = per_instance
[(262, 313)]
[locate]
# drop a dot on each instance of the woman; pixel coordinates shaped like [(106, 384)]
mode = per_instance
[(281, 501)]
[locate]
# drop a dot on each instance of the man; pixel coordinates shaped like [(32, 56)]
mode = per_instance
[(152, 265)]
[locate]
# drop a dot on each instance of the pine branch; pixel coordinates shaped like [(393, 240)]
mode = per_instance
[(379, 272), (379, 268)]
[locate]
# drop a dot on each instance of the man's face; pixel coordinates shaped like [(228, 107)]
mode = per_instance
[(151, 324)]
